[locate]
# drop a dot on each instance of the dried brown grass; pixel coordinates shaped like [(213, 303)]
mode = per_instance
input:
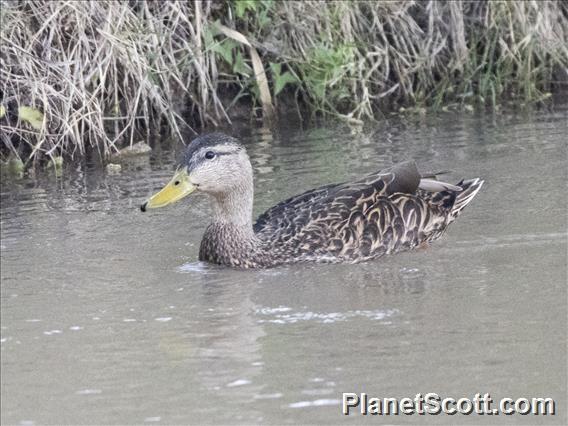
[(105, 73)]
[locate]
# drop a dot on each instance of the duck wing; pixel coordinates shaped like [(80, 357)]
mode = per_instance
[(334, 203), (385, 212)]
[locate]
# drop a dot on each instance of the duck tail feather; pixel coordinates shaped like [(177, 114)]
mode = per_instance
[(433, 185), (470, 188)]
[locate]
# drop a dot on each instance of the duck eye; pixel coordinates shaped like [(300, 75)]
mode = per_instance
[(209, 155), (176, 183)]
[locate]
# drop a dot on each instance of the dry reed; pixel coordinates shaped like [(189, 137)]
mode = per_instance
[(105, 73)]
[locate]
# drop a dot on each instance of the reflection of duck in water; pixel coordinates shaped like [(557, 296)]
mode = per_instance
[(385, 212)]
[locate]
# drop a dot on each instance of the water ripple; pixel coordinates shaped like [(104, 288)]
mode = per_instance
[(284, 315)]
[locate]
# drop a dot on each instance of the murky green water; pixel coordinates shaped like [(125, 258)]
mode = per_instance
[(108, 318)]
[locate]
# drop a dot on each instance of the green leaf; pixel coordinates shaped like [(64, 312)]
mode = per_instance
[(55, 165), (241, 6), (240, 9), (32, 116), (276, 69), (319, 89), (16, 166), (282, 81), (58, 162), (254, 90), (2, 111), (263, 19), (208, 34), (225, 49), (240, 66)]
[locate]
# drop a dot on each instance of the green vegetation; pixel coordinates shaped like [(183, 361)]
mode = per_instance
[(105, 74)]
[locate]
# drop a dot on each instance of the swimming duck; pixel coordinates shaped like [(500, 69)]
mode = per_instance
[(385, 212)]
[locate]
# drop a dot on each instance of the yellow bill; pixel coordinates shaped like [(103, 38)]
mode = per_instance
[(175, 190)]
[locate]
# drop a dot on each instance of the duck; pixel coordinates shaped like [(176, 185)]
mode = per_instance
[(392, 210)]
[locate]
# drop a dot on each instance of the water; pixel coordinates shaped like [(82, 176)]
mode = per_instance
[(107, 317)]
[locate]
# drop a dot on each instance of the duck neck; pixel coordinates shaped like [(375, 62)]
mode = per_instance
[(234, 208)]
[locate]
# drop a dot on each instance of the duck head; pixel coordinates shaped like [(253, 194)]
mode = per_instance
[(216, 164)]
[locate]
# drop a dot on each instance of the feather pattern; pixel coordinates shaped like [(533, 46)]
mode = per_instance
[(385, 212)]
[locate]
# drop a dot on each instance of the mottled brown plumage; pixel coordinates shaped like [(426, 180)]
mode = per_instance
[(385, 212)]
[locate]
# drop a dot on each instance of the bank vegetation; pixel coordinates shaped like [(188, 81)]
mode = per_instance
[(99, 75)]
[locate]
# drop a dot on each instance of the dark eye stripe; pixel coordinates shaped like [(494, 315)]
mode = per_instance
[(218, 154), (201, 158)]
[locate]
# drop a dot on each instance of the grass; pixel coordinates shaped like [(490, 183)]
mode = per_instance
[(100, 75)]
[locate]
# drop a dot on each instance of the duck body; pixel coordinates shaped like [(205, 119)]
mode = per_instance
[(389, 211), (348, 222)]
